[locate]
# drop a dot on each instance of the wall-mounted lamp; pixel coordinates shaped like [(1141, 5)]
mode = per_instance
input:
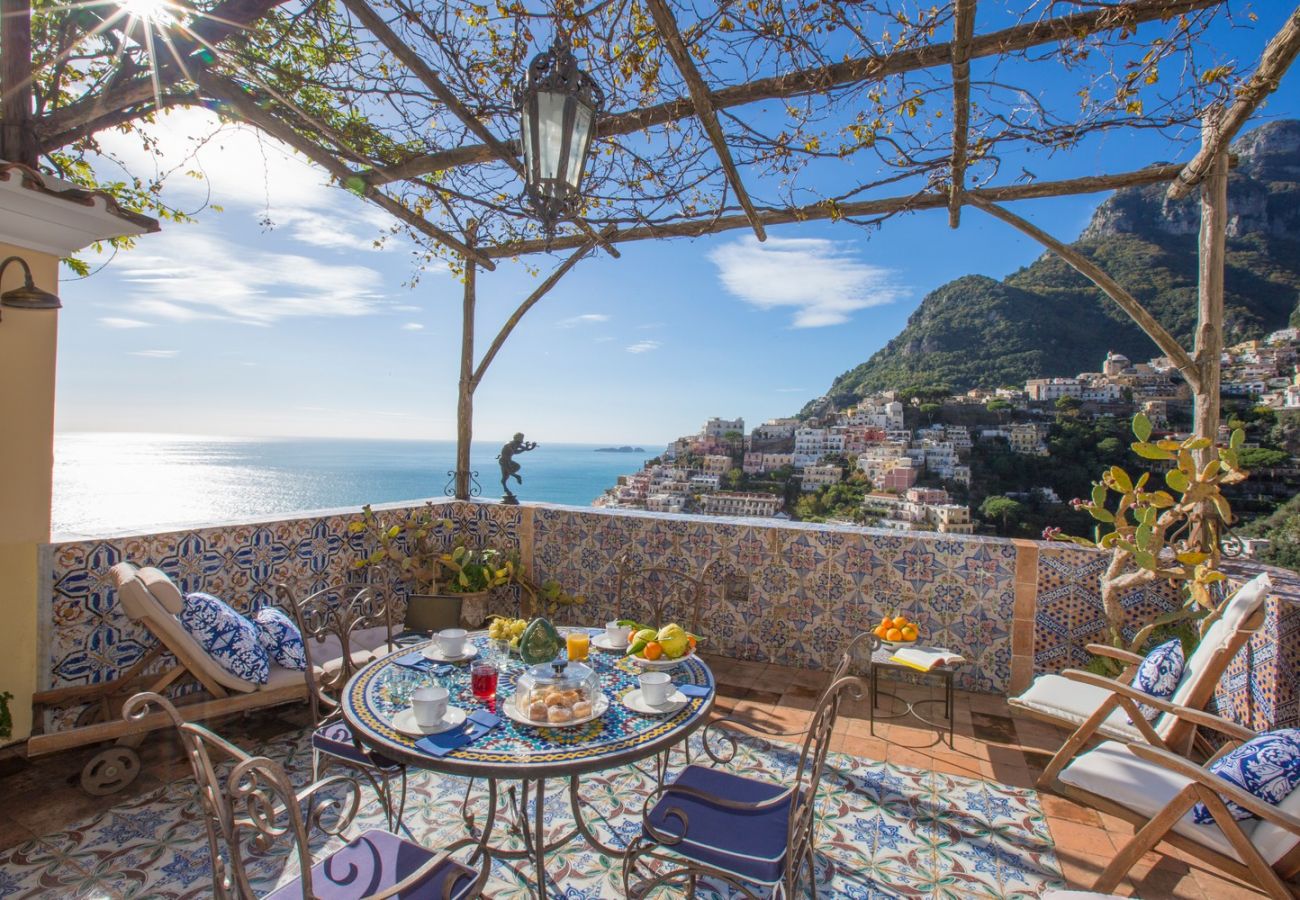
[(28, 295)]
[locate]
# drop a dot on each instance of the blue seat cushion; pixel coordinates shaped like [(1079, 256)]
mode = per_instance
[(335, 739), (750, 845), (228, 637), (374, 862)]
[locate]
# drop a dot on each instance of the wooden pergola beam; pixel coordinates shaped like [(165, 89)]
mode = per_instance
[(249, 110), (963, 31), (1277, 57), (429, 78), (1167, 343), (702, 101), (822, 78), (912, 202)]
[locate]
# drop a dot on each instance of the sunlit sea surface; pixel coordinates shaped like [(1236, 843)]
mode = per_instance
[(108, 483)]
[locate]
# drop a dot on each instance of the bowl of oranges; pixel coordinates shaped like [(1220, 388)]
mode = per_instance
[(897, 630)]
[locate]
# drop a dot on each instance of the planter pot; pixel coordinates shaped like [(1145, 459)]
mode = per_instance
[(433, 612)]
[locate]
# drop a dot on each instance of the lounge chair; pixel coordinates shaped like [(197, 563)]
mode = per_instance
[(256, 800), (150, 599), (1155, 790), (1074, 697)]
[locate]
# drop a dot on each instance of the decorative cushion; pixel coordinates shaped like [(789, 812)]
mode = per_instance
[(1267, 766), (1160, 674), (335, 739), (280, 638), (229, 638)]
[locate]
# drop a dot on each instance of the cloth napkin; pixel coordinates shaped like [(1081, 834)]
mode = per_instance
[(694, 690), (479, 723), (418, 660)]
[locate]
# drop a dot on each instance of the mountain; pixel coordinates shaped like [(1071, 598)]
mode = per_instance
[(1047, 320)]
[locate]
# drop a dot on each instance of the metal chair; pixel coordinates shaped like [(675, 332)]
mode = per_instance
[(659, 594), (256, 803), (348, 634), (744, 831)]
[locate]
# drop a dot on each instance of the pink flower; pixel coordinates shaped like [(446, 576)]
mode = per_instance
[(1051, 532)]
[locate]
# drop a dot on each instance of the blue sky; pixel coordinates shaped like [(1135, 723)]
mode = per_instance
[(227, 326)]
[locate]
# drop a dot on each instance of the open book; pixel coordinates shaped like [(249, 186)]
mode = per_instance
[(926, 658)]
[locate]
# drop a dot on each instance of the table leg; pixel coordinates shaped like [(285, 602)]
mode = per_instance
[(539, 835)]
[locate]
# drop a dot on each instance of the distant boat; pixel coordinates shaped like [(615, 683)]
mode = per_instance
[(624, 449)]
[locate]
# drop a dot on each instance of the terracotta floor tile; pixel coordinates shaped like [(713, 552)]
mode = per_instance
[(1061, 808), (1082, 838)]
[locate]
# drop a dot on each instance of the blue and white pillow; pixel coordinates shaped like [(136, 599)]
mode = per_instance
[(280, 638), (1160, 674), (1267, 766), (229, 638)]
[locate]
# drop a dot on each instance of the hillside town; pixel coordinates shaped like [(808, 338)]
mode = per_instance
[(907, 456)]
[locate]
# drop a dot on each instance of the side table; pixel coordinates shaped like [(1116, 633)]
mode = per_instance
[(881, 662)]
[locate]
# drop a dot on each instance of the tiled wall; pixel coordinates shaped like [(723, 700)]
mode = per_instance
[(784, 592)]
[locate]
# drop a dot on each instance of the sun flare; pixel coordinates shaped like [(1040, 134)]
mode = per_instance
[(156, 11)]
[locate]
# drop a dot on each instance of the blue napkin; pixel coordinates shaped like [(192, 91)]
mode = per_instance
[(418, 660), (479, 723), (694, 690)]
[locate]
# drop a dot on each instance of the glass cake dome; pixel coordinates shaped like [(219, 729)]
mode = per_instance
[(557, 692)]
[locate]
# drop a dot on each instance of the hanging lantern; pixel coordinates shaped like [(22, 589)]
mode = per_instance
[(558, 107)]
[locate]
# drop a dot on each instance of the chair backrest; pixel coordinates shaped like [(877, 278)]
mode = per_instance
[(327, 617), (1230, 626), (254, 798), (658, 595), (812, 760), (152, 599)]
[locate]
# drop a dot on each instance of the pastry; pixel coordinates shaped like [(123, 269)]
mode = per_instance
[(537, 711), (581, 709), (554, 698), (558, 714)]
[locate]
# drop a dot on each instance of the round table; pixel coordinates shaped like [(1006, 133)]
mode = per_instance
[(527, 754)]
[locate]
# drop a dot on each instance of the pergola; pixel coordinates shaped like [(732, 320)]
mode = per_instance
[(409, 109)]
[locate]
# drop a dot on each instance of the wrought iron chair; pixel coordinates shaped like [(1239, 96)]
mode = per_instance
[(659, 595), (349, 633), (256, 804), (746, 832)]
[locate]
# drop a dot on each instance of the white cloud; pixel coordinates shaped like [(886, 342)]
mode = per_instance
[(185, 275), (412, 326), (115, 322), (407, 307), (250, 174), (155, 354), (584, 319), (644, 346), (820, 279)]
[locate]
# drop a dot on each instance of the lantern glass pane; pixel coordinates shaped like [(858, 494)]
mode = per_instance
[(550, 144), (526, 136), (578, 146)]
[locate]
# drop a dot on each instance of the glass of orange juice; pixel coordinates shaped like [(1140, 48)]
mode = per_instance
[(578, 644)]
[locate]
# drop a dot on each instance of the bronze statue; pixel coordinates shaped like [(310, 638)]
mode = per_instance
[(510, 468)]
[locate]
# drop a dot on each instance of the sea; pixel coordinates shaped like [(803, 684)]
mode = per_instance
[(119, 483)]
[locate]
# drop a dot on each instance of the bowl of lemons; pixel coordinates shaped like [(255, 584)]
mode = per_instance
[(897, 631)]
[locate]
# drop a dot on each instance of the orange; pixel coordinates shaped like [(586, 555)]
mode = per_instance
[(900, 622), (692, 641), (880, 631), (653, 650), (909, 633), (893, 634), (886, 622)]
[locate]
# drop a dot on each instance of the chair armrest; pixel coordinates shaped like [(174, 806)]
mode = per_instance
[(726, 723), (1225, 789), (1115, 653), (1186, 713)]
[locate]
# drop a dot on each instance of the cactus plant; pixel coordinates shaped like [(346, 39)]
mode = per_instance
[(1162, 534)]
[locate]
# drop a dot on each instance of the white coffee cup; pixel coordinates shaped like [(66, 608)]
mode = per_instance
[(429, 705), (655, 688), (615, 634), (451, 642)]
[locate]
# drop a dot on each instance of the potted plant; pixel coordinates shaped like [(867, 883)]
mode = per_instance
[(445, 586)]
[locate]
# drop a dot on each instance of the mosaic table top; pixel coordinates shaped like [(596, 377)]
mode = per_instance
[(513, 750)]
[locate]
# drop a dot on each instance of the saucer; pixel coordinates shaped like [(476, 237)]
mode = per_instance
[(405, 722), (634, 701), (601, 642), (598, 708), (434, 652)]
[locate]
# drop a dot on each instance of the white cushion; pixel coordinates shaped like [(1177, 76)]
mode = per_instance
[(163, 589), (1273, 841), (1112, 771), (1074, 702)]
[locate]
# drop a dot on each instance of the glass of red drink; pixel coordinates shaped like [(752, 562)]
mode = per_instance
[(483, 680)]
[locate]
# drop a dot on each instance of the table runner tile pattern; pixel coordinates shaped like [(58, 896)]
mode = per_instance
[(886, 831)]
